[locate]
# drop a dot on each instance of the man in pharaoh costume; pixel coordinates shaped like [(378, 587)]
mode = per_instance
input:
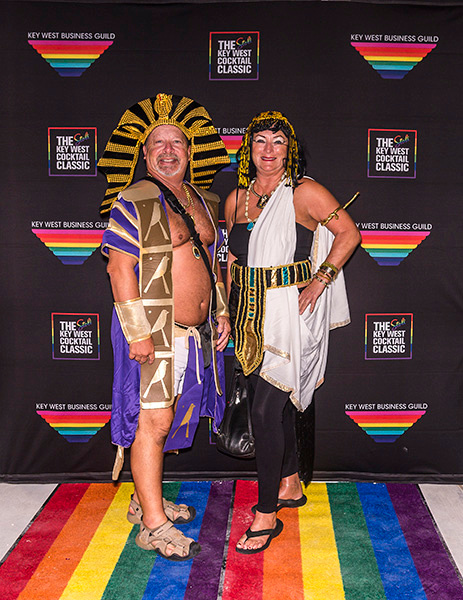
[(170, 321)]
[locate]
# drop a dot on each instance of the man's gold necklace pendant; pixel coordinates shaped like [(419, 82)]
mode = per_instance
[(195, 250)]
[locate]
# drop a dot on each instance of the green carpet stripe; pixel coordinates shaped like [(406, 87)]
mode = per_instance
[(130, 577), (361, 578)]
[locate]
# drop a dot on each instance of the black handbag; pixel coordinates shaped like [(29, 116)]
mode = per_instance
[(235, 436)]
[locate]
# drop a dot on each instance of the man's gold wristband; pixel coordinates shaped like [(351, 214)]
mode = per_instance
[(132, 318), (222, 304)]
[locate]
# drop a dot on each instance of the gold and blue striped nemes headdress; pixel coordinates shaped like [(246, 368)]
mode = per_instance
[(208, 152), (271, 119)]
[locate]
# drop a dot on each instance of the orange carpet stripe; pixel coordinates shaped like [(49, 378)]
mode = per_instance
[(70, 545), (93, 572), (283, 575)]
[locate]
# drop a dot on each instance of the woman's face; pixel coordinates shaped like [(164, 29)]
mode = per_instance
[(269, 151)]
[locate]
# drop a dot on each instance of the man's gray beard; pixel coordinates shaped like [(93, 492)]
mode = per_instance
[(170, 173)]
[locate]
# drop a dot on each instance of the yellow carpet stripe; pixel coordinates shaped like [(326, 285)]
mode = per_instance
[(321, 571), (91, 576)]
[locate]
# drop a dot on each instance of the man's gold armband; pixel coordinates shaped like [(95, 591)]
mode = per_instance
[(222, 304), (132, 317)]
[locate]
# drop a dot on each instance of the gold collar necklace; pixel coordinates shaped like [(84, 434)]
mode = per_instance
[(263, 199)]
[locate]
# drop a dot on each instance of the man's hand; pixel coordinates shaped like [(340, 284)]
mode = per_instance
[(223, 329), (142, 351)]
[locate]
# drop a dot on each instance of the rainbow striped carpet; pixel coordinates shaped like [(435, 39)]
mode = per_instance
[(351, 541)]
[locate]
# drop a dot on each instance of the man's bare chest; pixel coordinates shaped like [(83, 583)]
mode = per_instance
[(203, 225)]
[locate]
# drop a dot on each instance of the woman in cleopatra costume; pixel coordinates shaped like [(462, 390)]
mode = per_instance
[(288, 239), (170, 321)]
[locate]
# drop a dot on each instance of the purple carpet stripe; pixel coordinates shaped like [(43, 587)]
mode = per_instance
[(396, 567), (437, 573), (205, 572), (168, 580)]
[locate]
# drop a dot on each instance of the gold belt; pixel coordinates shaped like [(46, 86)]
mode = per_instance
[(274, 277), (253, 284)]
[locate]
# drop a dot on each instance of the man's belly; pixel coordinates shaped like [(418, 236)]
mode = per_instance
[(192, 286)]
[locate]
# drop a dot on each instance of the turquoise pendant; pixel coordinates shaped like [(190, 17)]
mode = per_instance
[(250, 226)]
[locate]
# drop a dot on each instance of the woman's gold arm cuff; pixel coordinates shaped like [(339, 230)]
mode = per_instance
[(132, 318)]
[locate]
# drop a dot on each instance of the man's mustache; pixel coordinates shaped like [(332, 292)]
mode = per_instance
[(168, 155)]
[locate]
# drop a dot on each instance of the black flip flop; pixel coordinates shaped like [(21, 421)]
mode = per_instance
[(286, 504), (272, 533), (292, 503)]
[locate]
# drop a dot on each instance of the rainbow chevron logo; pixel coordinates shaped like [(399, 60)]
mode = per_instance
[(71, 246), (232, 144), (385, 425), (76, 425), (392, 60), (70, 58), (389, 248)]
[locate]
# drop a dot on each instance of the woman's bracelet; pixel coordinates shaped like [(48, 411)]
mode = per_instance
[(318, 278), (329, 269)]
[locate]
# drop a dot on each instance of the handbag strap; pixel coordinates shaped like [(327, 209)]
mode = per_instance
[(177, 207)]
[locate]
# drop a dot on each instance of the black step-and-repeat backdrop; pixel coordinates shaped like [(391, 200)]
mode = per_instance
[(375, 93)]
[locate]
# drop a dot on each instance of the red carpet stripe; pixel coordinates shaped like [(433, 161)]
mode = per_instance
[(36, 542), (437, 574), (244, 573), (70, 545)]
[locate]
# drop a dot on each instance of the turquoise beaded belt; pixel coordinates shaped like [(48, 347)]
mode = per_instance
[(253, 283), (275, 277)]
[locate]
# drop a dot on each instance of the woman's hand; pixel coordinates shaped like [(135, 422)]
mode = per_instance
[(310, 295)]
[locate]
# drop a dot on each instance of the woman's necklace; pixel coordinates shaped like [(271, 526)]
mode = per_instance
[(263, 199), (251, 222)]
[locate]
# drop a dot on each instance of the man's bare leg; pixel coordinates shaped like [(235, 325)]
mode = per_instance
[(147, 459)]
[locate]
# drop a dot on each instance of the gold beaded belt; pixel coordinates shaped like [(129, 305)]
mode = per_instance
[(274, 277), (253, 284)]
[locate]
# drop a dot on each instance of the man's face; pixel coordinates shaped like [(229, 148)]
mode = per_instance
[(166, 151)]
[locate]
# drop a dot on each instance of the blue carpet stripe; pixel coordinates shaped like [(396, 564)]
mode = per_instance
[(396, 566), (168, 579)]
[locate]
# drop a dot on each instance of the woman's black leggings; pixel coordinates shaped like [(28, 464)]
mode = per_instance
[(273, 421)]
